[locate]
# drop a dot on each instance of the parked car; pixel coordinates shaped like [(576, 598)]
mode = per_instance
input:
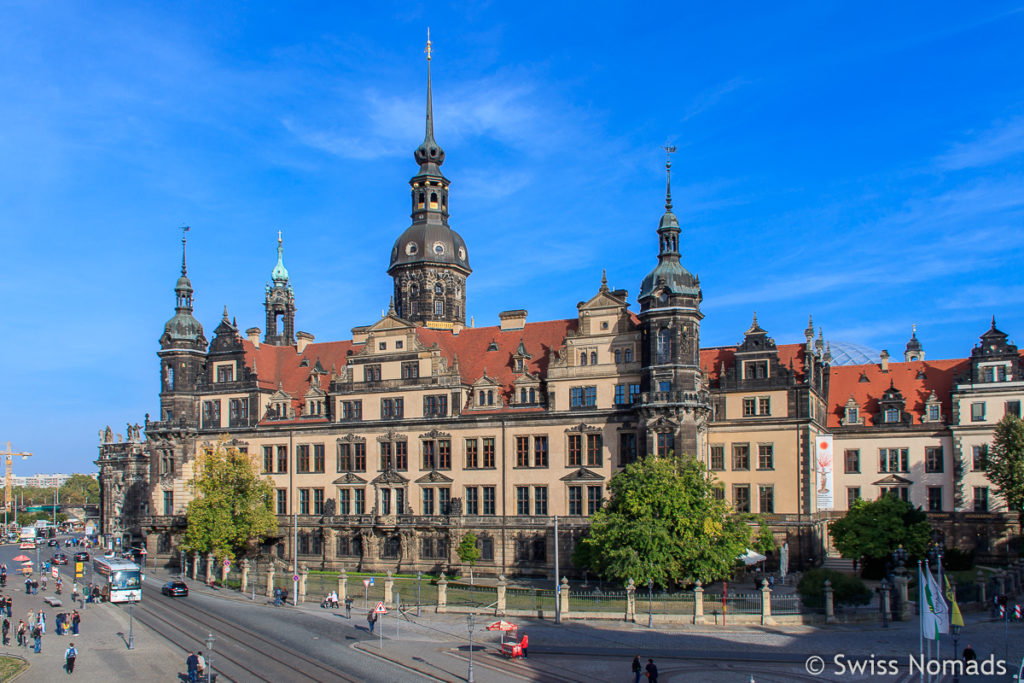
[(52, 542), (59, 558), (175, 589), (81, 556)]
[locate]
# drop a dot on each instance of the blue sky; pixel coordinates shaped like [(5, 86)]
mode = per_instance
[(858, 161)]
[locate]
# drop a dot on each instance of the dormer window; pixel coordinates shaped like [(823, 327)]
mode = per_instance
[(225, 372), (852, 415), (892, 415), (934, 412), (519, 364), (755, 369)]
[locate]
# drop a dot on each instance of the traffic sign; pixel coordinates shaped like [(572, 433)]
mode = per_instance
[(380, 609), (79, 569), (54, 571), (227, 562), (295, 577), (366, 582), (371, 580)]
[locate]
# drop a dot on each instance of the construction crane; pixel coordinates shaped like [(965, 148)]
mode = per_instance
[(8, 489)]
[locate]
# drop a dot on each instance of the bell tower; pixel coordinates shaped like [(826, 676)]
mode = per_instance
[(280, 303)]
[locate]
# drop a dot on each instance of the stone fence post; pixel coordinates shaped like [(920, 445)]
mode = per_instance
[(1001, 582), (195, 566), (209, 568), (631, 601), (698, 603), (244, 565), (830, 607), (303, 575), (980, 580), (442, 594), (563, 596), (906, 611), (886, 598), (766, 604), (270, 579), (225, 567), (389, 590), (342, 587), (499, 607)]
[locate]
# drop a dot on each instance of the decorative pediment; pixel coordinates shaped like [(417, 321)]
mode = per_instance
[(583, 474), (349, 479), (526, 379), (582, 428), (315, 392), (434, 477), (389, 477), (391, 436), (486, 382), (662, 424), (893, 480), (389, 322), (435, 434), (280, 395), (351, 438)]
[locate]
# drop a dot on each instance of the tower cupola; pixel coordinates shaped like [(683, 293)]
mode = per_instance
[(280, 303), (183, 330)]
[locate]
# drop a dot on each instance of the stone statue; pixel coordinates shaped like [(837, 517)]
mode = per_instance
[(108, 435), (329, 507)]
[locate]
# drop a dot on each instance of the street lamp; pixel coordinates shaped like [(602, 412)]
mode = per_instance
[(899, 556), (419, 580), (469, 621), (131, 622), (956, 650), (883, 590), (650, 603), (209, 658)]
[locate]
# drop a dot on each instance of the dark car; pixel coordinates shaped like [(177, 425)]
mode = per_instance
[(59, 558), (175, 589), (52, 542), (81, 556)]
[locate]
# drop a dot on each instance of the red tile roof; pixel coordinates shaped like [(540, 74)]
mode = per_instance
[(282, 365), (938, 376), (711, 359)]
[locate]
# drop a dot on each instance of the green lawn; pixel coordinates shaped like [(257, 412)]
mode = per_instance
[(9, 666)]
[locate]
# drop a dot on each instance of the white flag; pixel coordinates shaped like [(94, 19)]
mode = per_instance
[(928, 621), (938, 604)]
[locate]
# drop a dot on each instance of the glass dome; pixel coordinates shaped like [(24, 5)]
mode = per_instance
[(848, 353)]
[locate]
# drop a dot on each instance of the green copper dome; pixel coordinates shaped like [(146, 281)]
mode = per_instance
[(280, 273)]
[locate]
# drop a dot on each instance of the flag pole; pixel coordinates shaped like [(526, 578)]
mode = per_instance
[(920, 615)]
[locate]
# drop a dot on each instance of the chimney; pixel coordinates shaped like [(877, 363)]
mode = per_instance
[(253, 333), (884, 357), (302, 340), (513, 320)]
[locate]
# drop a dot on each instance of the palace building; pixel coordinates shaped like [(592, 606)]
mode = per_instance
[(386, 448)]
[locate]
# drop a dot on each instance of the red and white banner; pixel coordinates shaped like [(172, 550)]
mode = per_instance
[(823, 466)]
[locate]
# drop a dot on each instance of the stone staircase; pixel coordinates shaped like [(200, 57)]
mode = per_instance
[(839, 564)]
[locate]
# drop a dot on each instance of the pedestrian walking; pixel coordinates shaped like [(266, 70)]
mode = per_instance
[(28, 585), (637, 669), (652, 671), (201, 665), (523, 644), (42, 622), (371, 619), (20, 634), (7, 631), (75, 621), (192, 664), (69, 658), (969, 654), (37, 637), (277, 597)]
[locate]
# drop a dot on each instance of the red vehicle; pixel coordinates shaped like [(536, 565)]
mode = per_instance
[(59, 558)]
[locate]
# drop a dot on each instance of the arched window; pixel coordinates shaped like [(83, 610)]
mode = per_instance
[(533, 396), (482, 398), (593, 357), (490, 398), (618, 356), (583, 358), (433, 200), (664, 351), (522, 395), (422, 200), (627, 355)]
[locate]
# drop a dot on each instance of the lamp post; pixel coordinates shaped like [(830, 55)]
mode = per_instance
[(650, 603), (469, 621), (131, 622), (419, 580), (956, 650), (883, 588), (209, 658)]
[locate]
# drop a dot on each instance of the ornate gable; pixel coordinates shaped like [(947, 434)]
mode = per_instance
[(389, 477), (583, 474), (349, 479), (434, 477)]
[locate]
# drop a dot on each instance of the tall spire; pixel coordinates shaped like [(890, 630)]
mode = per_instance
[(183, 288), (669, 151), (184, 229), (430, 97), (429, 154), (668, 229), (280, 274)]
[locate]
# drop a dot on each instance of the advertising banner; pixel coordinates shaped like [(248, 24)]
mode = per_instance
[(823, 461)]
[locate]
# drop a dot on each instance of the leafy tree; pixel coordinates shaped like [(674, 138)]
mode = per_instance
[(846, 590), (80, 489), (874, 529), (468, 552), (663, 523), (764, 542), (232, 510), (1004, 465)]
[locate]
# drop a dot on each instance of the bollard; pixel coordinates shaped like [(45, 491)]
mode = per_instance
[(195, 566), (342, 586), (698, 603), (631, 601), (442, 594), (830, 608), (270, 580), (208, 576), (303, 575), (499, 607), (389, 588), (980, 580), (244, 565), (563, 597), (766, 604)]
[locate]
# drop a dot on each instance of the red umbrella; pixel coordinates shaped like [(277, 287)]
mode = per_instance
[(21, 558), (502, 625)]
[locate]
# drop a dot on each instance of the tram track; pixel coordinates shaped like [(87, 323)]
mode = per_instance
[(238, 645)]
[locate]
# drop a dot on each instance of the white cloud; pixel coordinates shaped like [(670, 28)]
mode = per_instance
[(999, 142)]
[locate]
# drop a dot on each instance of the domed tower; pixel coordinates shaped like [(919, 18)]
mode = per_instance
[(429, 262), (182, 354), (914, 349), (280, 303), (674, 402)]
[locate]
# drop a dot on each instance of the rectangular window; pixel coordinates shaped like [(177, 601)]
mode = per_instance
[(318, 501), (282, 502), (627, 448), (979, 457), (718, 493), (575, 452), (851, 460), (576, 500), (488, 452), (352, 410), (486, 546), (435, 405), (411, 369), (522, 500), (540, 451), (359, 457), (318, 457), (444, 500), (893, 460), (1012, 408), (371, 373), (766, 498), (344, 457), (852, 496), (594, 450), (666, 444), (302, 458), (392, 408), (765, 456), (620, 395), (749, 407), (718, 458), (764, 405), (359, 502), (428, 455), (428, 501), (385, 456), (755, 369), (981, 499), (282, 458), (634, 393), (471, 457), (741, 456), (977, 412), (593, 499), (401, 455), (590, 396), (385, 501), (225, 373), (400, 502), (472, 502), (438, 309), (540, 500), (211, 413), (444, 454), (268, 459), (303, 501), (934, 499), (168, 502), (583, 397), (239, 415), (488, 500), (575, 397), (933, 459), (522, 451), (741, 498), (344, 501), (934, 412)]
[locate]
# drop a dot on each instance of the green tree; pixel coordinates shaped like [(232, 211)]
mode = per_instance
[(468, 552), (874, 529), (232, 509), (1004, 465), (663, 523), (764, 542), (80, 489)]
